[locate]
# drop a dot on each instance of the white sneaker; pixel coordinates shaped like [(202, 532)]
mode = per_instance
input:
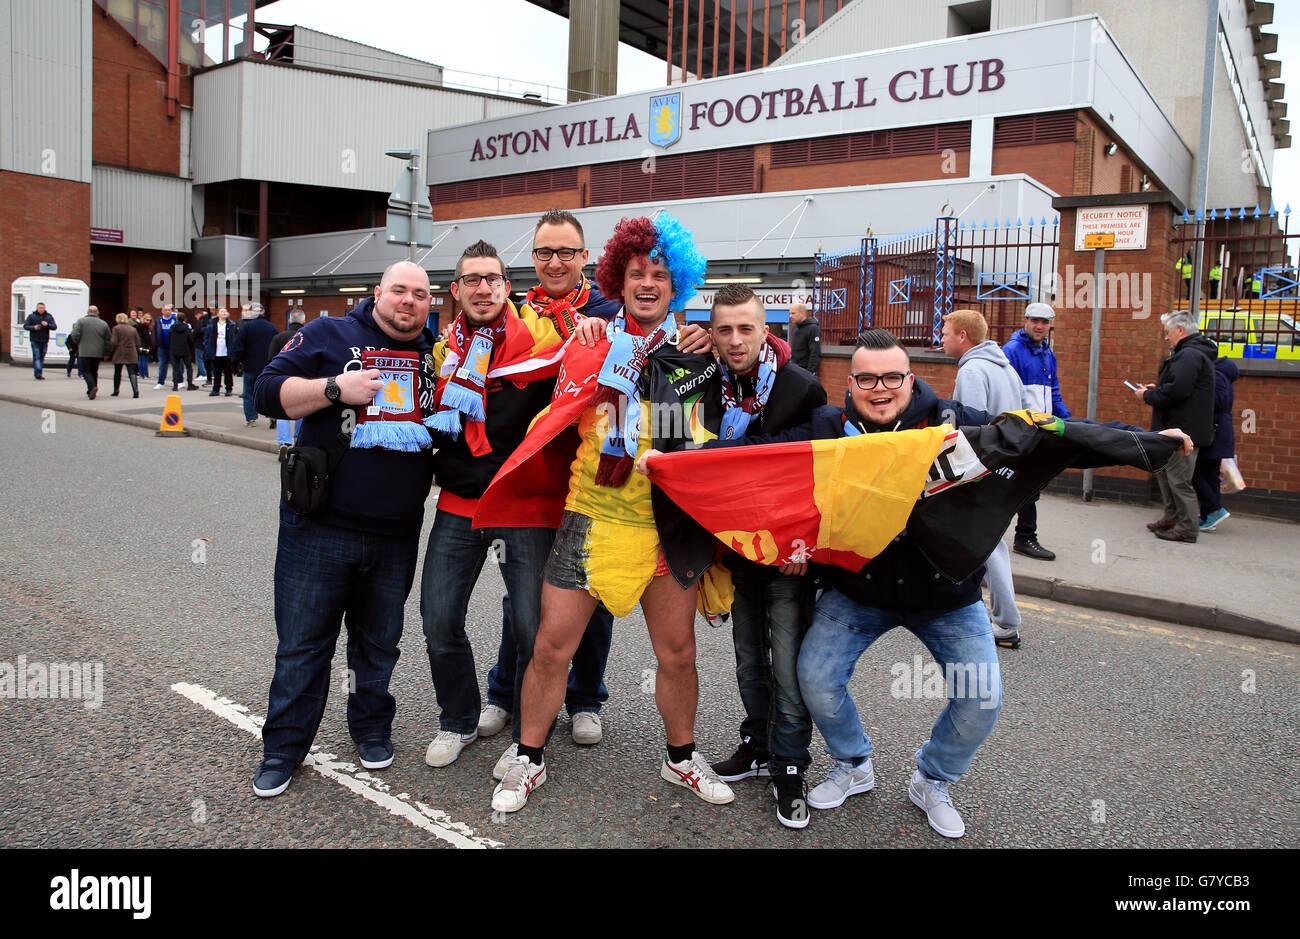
[(697, 775), (585, 727), (931, 796), (842, 781), (446, 747), (157, 387), (492, 721), (503, 764), (522, 776)]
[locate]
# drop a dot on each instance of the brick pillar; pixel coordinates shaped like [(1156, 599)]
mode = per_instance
[(1137, 287)]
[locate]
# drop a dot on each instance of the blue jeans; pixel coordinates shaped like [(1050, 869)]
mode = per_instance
[(250, 410), (769, 617), (586, 689), (452, 563), (961, 642), (200, 366), (286, 432), (144, 365), (38, 356), (163, 359), (325, 577)]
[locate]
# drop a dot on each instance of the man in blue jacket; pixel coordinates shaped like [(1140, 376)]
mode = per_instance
[(1029, 351), (355, 557), (252, 348)]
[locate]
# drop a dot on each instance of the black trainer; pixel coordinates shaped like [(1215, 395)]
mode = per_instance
[(1030, 548), (748, 760), (791, 798)]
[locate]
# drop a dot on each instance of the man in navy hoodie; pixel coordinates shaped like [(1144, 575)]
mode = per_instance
[(355, 557), (1030, 353)]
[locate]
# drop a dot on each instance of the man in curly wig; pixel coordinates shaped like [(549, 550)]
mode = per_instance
[(620, 541)]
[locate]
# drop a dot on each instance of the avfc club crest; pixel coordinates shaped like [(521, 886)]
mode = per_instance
[(666, 119)]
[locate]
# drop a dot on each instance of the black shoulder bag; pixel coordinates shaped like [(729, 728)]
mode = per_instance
[(305, 474)]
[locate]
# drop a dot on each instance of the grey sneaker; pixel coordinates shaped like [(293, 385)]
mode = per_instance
[(842, 781), (586, 729), (931, 797), (1007, 638), (447, 746)]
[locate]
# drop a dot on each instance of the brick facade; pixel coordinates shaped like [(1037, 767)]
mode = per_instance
[(131, 126), (43, 219)]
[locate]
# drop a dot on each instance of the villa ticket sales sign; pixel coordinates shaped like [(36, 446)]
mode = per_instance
[(1031, 70)]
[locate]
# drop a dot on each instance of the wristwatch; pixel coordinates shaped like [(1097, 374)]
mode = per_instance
[(332, 391)]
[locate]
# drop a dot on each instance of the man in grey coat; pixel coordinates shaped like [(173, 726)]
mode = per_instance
[(94, 341), (988, 381)]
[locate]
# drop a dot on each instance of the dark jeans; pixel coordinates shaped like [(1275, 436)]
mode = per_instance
[(38, 356), (130, 374), (144, 364), (769, 615), (250, 409), (73, 362), (181, 365), (1027, 520), (1205, 479), (89, 369), (586, 689), (221, 367), (163, 359), (325, 577), (201, 367), (452, 563)]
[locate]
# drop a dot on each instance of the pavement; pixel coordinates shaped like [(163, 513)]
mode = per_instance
[(1240, 578)]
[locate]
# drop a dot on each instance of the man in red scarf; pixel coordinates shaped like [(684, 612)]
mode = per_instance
[(497, 370)]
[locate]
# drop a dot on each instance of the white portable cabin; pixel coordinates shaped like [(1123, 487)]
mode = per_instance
[(64, 298)]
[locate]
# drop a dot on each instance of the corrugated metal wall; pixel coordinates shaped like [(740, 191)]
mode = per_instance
[(255, 120), (45, 90), (151, 211), (326, 51), (866, 25)]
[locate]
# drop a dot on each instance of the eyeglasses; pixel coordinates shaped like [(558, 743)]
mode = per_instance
[(471, 281), (891, 380), (545, 254)]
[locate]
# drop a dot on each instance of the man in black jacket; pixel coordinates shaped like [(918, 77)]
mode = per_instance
[(805, 338), (1182, 396), (180, 348), (770, 605), (900, 587), (251, 347)]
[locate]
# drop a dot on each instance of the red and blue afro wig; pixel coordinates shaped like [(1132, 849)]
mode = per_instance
[(662, 238)]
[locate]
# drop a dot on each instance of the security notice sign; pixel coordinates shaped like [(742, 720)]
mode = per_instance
[(1128, 222)]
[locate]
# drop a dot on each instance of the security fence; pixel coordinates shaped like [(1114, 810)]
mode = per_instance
[(907, 283)]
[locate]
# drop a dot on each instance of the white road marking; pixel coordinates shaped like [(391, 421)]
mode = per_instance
[(346, 774)]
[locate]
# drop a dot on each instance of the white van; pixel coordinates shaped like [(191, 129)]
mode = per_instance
[(65, 299)]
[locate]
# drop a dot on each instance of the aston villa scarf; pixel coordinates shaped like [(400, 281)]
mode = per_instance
[(463, 396), (738, 410), (564, 312), (392, 420), (629, 351)]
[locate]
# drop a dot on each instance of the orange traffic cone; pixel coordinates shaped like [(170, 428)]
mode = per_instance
[(172, 424)]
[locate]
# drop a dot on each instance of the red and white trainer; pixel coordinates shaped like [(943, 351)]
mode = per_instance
[(697, 775), (521, 778)]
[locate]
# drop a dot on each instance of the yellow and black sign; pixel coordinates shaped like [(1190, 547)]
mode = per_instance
[(1101, 239)]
